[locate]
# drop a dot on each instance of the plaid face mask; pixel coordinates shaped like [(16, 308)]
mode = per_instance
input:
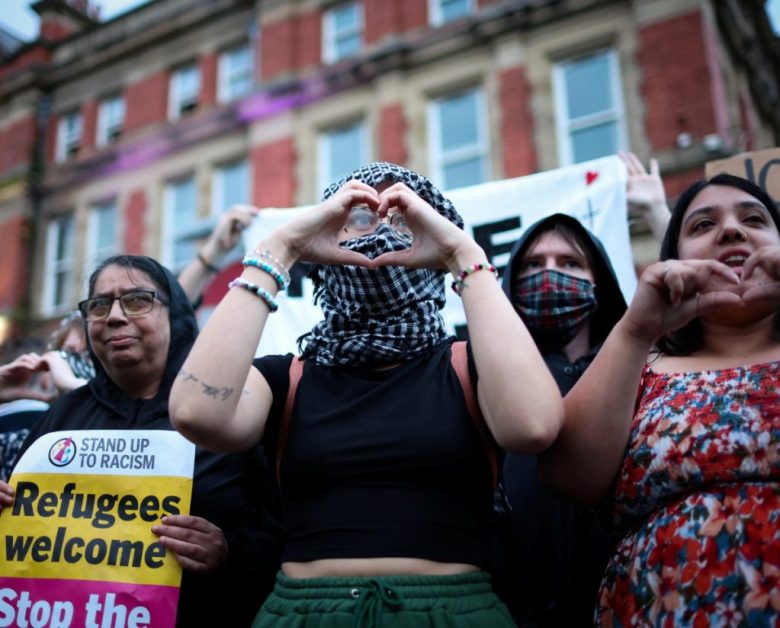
[(554, 305)]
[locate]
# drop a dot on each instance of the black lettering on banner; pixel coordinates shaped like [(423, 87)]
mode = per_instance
[(763, 176), (112, 552), (483, 235)]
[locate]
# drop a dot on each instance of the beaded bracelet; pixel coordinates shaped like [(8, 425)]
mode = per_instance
[(460, 280), (269, 257), (266, 296), (206, 263), (280, 279)]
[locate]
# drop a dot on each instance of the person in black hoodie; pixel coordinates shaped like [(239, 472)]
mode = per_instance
[(140, 327), (550, 553)]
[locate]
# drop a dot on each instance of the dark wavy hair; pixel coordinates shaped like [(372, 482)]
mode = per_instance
[(689, 338)]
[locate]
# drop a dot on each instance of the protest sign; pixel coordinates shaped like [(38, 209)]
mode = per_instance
[(495, 215), (762, 167), (77, 546)]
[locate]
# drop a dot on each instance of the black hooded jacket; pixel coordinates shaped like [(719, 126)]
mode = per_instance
[(550, 553), (233, 491)]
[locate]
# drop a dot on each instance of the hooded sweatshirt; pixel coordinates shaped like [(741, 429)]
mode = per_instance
[(236, 492), (551, 554)]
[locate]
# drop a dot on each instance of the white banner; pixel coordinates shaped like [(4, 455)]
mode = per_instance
[(495, 215)]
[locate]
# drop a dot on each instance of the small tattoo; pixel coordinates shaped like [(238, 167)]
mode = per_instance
[(187, 377)]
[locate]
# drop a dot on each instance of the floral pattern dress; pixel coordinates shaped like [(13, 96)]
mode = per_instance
[(698, 501)]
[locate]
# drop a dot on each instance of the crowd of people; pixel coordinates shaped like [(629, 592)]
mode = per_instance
[(578, 459)]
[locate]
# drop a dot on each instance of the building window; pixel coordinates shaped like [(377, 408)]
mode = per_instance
[(235, 73), (342, 32), (60, 264), (183, 224), (231, 187), (443, 11), (184, 91), (69, 136), (458, 140), (102, 232), (589, 108), (341, 151), (111, 117)]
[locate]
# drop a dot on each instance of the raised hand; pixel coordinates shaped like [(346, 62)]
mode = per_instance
[(761, 276), (15, 379), (61, 373), (228, 230), (314, 235), (645, 192), (436, 242), (672, 293), (197, 544)]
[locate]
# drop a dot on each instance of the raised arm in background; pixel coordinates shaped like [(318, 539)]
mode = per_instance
[(225, 236), (583, 461)]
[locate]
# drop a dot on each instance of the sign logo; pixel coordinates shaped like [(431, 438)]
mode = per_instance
[(62, 452)]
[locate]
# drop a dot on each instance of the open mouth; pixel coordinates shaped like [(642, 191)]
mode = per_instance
[(735, 261)]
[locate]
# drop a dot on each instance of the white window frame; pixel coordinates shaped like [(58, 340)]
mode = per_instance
[(58, 266), (218, 186), (69, 135), (440, 159), (436, 14), (331, 38), (96, 253), (225, 74), (181, 104), (565, 126), (325, 175), (109, 130), (200, 228)]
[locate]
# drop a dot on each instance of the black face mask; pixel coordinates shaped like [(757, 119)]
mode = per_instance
[(553, 305)]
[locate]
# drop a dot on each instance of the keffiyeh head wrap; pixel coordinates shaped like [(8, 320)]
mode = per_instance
[(380, 315)]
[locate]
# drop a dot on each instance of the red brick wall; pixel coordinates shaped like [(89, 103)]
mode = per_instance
[(36, 55), (309, 39), (392, 134), (273, 168), (518, 152), (13, 255), (89, 129), (674, 184), (208, 79), (414, 13), (146, 102), (51, 137), (135, 217), (277, 44), (55, 31), (381, 19), (16, 145), (676, 85)]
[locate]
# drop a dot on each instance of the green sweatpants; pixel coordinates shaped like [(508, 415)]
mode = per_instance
[(461, 601)]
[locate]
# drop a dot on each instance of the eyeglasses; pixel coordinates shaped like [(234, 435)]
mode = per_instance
[(362, 221), (135, 303)]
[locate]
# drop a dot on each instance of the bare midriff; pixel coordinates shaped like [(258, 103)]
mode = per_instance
[(385, 566)]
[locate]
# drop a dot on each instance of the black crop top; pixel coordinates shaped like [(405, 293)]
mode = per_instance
[(381, 463)]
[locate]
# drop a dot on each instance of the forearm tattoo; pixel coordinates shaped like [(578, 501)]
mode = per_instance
[(220, 393)]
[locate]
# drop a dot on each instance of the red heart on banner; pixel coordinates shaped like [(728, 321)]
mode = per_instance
[(591, 176)]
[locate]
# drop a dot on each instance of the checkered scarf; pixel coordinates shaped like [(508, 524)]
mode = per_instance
[(554, 305), (379, 315)]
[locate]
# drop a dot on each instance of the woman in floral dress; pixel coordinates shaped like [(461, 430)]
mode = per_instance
[(676, 424)]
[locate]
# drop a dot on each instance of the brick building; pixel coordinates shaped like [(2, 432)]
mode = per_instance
[(134, 134)]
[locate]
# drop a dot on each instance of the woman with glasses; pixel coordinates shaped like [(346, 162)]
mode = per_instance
[(385, 473), (140, 326)]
